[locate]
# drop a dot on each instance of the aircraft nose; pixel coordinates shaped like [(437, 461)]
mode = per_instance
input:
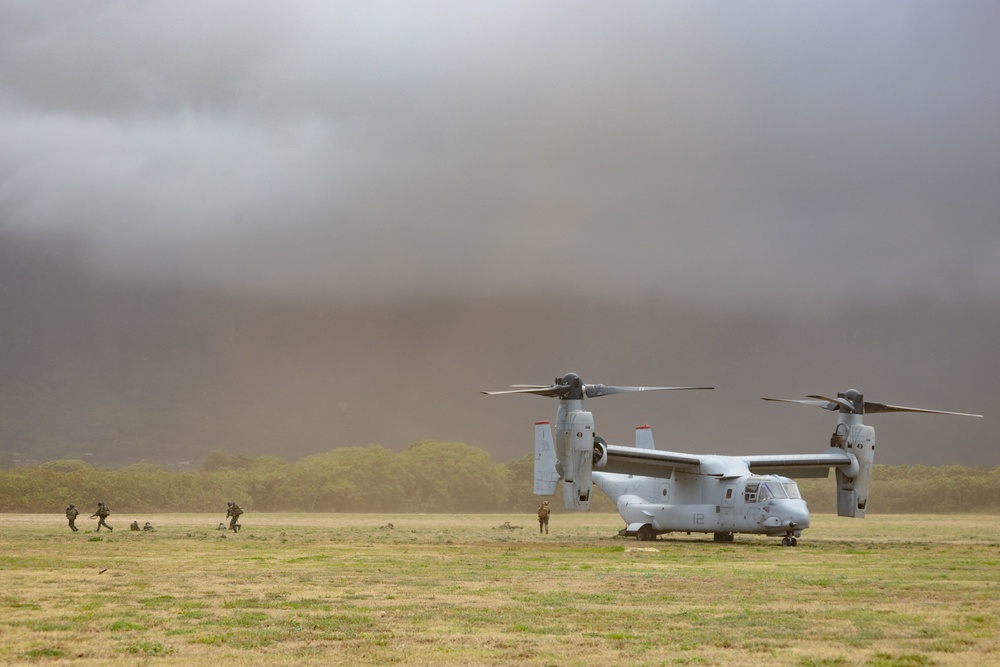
[(798, 518)]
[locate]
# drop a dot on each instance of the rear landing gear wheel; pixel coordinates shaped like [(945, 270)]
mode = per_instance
[(645, 534), (722, 537)]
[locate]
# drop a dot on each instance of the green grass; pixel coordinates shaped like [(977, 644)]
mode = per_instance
[(297, 589)]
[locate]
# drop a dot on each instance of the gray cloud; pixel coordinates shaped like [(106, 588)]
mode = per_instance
[(702, 146), (741, 158)]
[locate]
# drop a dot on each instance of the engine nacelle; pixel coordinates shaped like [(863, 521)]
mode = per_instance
[(854, 481), (576, 434)]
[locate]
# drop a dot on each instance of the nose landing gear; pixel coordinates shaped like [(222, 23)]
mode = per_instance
[(789, 541)]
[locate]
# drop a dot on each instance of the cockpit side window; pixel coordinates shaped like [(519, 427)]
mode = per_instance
[(750, 492)]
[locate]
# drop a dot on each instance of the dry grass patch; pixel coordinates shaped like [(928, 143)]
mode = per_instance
[(457, 590)]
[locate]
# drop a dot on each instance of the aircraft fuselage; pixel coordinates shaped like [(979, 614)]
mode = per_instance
[(691, 502)]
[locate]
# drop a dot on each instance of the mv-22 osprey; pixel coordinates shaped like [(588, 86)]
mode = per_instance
[(660, 492)]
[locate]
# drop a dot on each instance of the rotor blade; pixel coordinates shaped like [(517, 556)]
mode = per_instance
[(595, 390), (825, 404), (875, 408), (553, 390)]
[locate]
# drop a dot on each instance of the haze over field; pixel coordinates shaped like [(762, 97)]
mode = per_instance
[(285, 229)]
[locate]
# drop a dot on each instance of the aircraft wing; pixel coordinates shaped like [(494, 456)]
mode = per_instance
[(656, 463), (798, 465), (648, 462)]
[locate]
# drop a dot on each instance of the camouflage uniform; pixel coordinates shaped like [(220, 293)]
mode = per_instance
[(134, 526), (543, 517), (71, 513), (102, 513), (148, 526), (233, 511)]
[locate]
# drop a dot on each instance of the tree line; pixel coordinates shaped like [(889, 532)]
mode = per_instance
[(917, 490), (428, 476)]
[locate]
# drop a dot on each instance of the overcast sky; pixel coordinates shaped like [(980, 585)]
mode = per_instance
[(807, 195), (754, 152)]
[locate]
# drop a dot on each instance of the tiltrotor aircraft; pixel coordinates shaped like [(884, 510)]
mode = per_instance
[(660, 492)]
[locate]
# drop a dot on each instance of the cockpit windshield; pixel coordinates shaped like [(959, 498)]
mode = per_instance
[(760, 492), (769, 490)]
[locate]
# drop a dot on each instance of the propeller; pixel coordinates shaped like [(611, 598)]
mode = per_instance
[(852, 402), (571, 387)]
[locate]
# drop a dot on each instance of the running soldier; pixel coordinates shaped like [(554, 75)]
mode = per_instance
[(102, 514), (71, 513), (233, 510), (543, 517)]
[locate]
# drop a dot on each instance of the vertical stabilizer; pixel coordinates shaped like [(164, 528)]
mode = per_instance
[(546, 477), (644, 437)]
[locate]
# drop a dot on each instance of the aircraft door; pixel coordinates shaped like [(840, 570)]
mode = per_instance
[(728, 506)]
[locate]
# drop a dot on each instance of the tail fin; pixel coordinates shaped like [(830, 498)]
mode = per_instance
[(546, 477), (644, 437)]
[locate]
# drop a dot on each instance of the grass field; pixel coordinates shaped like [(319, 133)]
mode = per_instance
[(300, 589)]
